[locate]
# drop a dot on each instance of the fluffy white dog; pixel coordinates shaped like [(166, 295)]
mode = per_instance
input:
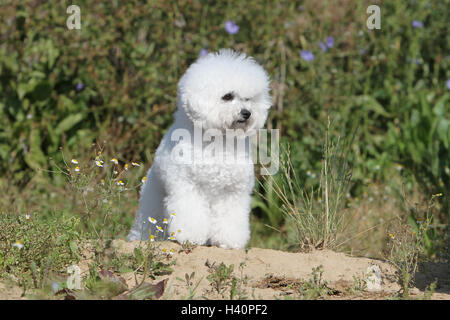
[(209, 197)]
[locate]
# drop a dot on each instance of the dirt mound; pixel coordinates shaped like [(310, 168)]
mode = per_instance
[(270, 274)]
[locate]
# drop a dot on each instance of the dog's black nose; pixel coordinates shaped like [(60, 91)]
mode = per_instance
[(245, 114)]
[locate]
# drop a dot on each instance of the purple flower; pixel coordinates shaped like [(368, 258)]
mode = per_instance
[(448, 84), (203, 52), (307, 55), (330, 42), (231, 27), (322, 46), (417, 24), (362, 51), (80, 86)]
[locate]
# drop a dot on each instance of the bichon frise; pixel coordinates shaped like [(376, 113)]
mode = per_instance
[(206, 199)]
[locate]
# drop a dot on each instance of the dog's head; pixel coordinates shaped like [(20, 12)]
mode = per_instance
[(225, 90)]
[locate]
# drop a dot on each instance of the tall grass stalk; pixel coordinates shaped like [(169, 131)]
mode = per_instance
[(317, 215)]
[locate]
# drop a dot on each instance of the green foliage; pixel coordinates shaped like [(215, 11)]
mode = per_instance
[(31, 248), (315, 287)]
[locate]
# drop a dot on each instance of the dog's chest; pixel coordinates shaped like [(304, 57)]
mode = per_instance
[(222, 177)]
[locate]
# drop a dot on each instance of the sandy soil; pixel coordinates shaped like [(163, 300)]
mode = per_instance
[(268, 274), (273, 274)]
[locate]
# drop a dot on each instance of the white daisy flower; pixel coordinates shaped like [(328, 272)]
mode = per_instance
[(159, 229), (77, 169), (74, 161), (120, 183), (18, 244), (114, 160), (135, 164), (152, 220), (99, 163)]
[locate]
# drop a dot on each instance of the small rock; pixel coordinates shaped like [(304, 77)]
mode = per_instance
[(373, 280)]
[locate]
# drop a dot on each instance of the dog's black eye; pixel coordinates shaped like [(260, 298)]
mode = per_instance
[(228, 97)]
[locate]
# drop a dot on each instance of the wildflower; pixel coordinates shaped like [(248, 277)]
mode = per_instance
[(80, 86), (391, 235), (231, 27), (173, 214), (330, 42), (417, 24), (377, 167), (18, 244), (399, 167), (171, 238), (448, 84), (362, 51), (27, 216), (126, 166), (178, 230), (171, 252), (143, 179), (420, 221), (172, 234), (77, 169), (102, 182), (152, 220), (74, 161), (159, 228), (114, 160), (322, 46), (152, 238), (120, 183), (307, 55), (135, 164), (164, 250), (203, 52), (165, 221), (99, 163)]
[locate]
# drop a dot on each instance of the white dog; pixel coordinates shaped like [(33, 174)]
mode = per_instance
[(210, 198)]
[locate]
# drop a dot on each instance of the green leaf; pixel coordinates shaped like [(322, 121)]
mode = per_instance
[(35, 158), (69, 122)]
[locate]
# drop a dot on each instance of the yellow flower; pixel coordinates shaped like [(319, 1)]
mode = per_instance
[(391, 235), (77, 169), (178, 230), (126, 166), (74, 161), (164, 250), (114, 160)]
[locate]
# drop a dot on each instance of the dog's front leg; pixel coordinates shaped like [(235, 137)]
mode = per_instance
[(230, 225), (191, 215)]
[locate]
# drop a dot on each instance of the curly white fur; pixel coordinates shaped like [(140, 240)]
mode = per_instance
[(210, 198)]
